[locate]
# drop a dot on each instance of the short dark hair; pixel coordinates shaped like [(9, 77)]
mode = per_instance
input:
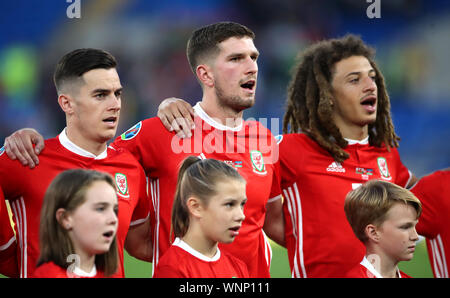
[(74, 64), (204, 41)]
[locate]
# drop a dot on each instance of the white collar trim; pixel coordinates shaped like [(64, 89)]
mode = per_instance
[(78, 271), (202, 114), (365, 262), (364, 141), (69, 145), (183, 245)]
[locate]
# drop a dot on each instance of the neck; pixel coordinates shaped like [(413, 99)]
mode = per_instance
[(198, 241), (384, 264), (78, 139), (353, 132), (224, 115), (87, 261)]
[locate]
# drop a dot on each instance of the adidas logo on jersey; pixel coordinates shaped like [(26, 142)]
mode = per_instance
[(335, 167)]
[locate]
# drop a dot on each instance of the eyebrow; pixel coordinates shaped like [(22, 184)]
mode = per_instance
[(106, 204), (359, 72), (237, 54), (101, 90)]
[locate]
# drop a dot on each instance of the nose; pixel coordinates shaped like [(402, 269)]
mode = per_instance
[(369, 85), (112, 217), (115, 102), (240, 216), (414, 236), (252, 66)]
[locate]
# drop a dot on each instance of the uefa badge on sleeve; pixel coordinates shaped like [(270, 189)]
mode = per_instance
[(122, 185), (258, 162), (132, 132), (383, 167)]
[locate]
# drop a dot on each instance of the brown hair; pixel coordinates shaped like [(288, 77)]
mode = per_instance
[(369, 204), (197, 178), (308, 103), (77, 62), (68, 191), (204, 41)]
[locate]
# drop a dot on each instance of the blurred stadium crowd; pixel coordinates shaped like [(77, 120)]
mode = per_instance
[(412, 39)]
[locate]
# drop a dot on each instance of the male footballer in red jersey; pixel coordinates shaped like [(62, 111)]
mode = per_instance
[(433, 190), (8, 256), (89, 92), (224, 59), (340, 136)]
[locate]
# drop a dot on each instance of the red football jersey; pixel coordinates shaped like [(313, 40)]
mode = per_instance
[(319, 239), (182, 261), (51, 270), (433, 191), (366, 270), (249, 148), (8, 258), (25, 188)]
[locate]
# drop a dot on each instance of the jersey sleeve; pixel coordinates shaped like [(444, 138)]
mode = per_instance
[(142, 210), (431, 193), (9, 171), (143, 140)]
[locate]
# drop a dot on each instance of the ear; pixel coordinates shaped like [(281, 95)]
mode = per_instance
[(64, 219), (205, 75), (66, 103), (372, 232), (195, 206)]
